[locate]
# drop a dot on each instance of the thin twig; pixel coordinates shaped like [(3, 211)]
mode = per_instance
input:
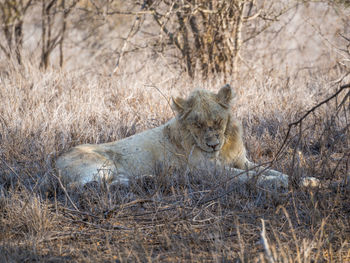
[(65, 192), (292, 230), (291, 125), (161, 93), (12, 170), (266, 243), (133, 30), (79, 212)]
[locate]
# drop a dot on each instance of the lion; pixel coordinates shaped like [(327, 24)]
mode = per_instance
[(203, 133)]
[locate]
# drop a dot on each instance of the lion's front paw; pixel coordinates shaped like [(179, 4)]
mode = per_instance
[(310, 182), (273, 181)]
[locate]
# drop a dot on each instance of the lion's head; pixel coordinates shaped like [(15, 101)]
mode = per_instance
[(205, 115)]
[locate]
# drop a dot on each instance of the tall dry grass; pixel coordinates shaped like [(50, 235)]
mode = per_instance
[(177, 216)]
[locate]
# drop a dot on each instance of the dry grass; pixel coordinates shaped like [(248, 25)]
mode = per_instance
[(177, 216)]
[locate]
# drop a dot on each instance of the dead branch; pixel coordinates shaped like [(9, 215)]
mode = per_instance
[(266, 243), (299, 121), (65, 192)]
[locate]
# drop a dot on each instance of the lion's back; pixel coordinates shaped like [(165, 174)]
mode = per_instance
[(136, 155)]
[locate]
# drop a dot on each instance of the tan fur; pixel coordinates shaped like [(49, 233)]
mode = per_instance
[(203, 132)]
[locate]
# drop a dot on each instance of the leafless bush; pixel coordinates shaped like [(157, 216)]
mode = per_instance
[(208, 34), (12, 14), (51, 37), (54, 16), (323, 137), (299, 122)]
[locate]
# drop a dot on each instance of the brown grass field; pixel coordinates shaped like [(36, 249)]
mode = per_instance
[(181, 217)]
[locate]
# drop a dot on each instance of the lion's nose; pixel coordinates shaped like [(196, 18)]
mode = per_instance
[(213, 144)]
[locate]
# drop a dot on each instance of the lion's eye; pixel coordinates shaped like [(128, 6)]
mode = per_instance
[(218, 122), (198, 125)]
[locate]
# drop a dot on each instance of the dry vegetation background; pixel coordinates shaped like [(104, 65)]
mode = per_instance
[(87, 71)]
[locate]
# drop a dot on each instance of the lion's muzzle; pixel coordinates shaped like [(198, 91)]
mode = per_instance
[(213, 142)]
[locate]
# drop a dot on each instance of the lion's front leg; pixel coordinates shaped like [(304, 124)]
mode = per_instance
[(274, 180), (272, 176), (265, 177)]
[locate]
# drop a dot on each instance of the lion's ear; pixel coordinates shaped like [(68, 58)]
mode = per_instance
[(182, 107), (225, 95), (179, 104)]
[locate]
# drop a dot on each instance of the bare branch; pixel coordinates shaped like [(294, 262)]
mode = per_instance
[(266, 243), (299, 121)]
